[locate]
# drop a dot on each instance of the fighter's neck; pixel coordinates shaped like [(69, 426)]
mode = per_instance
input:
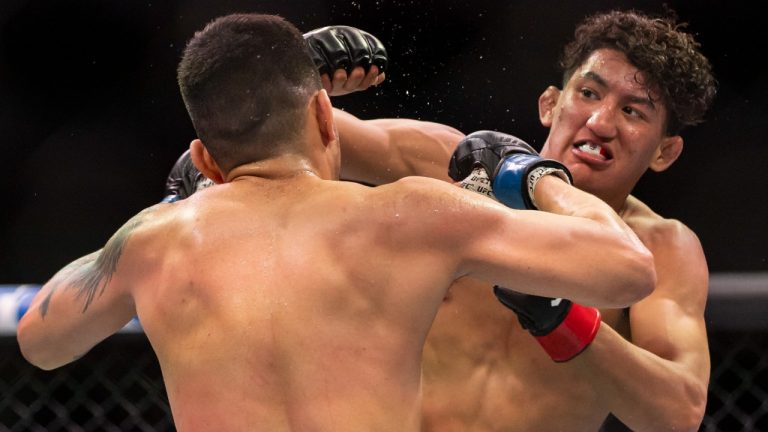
[(278, 168), (619, 204)]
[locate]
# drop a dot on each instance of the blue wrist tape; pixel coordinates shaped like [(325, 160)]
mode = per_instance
[(509, 183)]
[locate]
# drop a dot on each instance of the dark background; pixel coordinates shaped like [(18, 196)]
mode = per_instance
[(91, 119)]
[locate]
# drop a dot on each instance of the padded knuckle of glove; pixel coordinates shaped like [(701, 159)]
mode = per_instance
[(486, 148), (344, 47), (357, 47)]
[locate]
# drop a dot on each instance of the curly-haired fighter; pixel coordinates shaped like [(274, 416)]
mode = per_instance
[(630, 83), (283, 299)]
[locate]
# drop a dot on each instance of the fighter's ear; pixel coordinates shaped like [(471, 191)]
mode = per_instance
[(324, 113), (667, 153), (547, 103), (204, 161)]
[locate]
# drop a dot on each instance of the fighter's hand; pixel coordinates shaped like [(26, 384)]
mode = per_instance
[(347, 58), (503, 167), (563, 328), (184, 179)]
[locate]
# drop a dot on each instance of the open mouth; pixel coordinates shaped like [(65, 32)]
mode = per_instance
[(594, 149)]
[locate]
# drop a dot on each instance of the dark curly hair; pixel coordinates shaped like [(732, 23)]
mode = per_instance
[(668, 57)]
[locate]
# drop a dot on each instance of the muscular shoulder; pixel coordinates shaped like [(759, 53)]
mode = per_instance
[(422, 194), (433, 206), (143, 237), (425, 187), (657, 231), (678, 255)]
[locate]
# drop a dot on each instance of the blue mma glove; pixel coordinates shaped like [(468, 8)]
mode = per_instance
[(512, 167)]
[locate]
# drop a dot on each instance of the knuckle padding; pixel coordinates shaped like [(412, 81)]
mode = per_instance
[(359, 52), (487, 148), (378, 52), (344, 47)]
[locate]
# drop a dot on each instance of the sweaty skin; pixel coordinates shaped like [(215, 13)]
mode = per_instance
[(235, 310), (649, 364), (508, 383), (283, 299)]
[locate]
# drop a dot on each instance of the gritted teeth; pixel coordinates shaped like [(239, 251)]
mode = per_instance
[(593, 149)]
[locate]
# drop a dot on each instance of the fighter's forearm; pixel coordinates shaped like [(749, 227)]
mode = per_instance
[(645, 391), (555, 196)]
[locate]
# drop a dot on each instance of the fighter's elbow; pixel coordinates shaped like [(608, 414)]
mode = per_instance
[(639, 278), (29, 352), (685, 419), (41, 358), (689, 416), (688, 421), (646, 280), (39, 362), (681, 412), (36, 351)]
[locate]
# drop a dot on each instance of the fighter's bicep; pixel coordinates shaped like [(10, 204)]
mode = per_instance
[(663, 327), (364, 148)]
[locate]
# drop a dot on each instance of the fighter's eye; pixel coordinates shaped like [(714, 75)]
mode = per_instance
[(587, 93), (632, 111)]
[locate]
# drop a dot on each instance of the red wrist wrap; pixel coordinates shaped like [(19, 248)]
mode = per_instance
[(573, 335)]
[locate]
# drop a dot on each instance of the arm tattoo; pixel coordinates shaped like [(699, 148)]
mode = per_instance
[(91, 273), (65, 274)]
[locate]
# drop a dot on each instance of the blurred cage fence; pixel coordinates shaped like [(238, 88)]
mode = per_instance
[(118, 386)]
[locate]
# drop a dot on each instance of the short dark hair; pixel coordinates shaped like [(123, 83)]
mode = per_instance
[(246, 80), (668, 57)]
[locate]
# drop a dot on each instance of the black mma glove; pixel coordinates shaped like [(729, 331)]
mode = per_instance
[(184, 179), (512, 167), (344, 47), (563, 328)]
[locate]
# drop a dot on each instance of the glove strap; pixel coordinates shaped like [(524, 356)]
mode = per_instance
[(510, 179), (573, 335)]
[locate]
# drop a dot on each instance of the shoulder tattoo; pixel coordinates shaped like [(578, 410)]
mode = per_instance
[(90, 274)]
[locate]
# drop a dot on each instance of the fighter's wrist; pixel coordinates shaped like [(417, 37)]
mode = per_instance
[(540, 172)]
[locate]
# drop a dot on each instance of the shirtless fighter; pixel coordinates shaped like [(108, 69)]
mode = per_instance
[(630, 83), (283, 299)]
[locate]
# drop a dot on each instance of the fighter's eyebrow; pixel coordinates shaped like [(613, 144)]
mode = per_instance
[(642, 100), (594, 76)]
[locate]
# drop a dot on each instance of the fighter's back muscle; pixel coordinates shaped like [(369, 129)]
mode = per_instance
[(260, 281)]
